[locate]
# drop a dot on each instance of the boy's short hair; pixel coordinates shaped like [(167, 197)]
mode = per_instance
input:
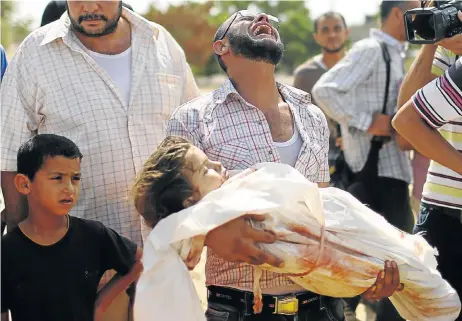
[(32, 153), (161, 187)]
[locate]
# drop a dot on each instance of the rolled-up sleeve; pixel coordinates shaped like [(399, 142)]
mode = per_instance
[(440, 101), (334, 92), (20, 118), (324, 175)]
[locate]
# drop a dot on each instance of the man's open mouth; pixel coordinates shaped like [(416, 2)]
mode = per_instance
[(262, 30)]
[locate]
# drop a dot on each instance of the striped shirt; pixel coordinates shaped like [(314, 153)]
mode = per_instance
[(351, 93), (230, 130), (440, 104), (443, 59)]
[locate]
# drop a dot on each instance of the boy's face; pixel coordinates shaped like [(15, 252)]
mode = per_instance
[(56, 186), (204, 175)]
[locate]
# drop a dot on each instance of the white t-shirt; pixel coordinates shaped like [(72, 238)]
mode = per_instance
[(289, 150), (119, 68)]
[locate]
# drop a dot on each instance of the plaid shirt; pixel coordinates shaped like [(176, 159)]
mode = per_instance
[(231, 131), (353, 91), (52, 85)]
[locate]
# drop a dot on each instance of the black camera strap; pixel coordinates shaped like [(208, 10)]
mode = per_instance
[(386, 57)]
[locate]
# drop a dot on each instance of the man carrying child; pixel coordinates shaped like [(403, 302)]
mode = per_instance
[(253, 119)]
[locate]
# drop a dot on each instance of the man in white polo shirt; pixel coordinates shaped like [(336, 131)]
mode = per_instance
[(432, 122)]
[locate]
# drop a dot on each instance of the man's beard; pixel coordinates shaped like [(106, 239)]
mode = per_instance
[(265, 50), (110, 27), (335, 50)]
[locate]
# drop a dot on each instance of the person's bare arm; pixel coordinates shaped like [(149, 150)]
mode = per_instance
[(418, 76), (5, 316), (16, 207), (116, 286), (236, 241), (426, 140), (323, 185)]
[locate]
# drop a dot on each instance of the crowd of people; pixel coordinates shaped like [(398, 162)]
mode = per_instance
[(89, 96)]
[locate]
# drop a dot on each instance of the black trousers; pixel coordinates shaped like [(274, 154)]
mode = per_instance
[(445, 233), (390, 198)]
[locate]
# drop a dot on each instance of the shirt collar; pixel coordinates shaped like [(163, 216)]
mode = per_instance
[(388, 39), (227, 90), (62, 27)]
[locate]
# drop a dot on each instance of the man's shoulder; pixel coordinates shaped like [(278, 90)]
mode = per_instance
[(307, 108), (366, 44), (194, 108), (308, 66)]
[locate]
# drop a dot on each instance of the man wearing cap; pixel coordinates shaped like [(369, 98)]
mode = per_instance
[(252, 119)]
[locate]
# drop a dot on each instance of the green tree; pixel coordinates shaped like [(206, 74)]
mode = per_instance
[(12, 32)]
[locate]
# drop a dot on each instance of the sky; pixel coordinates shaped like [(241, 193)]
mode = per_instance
[(353, 10)]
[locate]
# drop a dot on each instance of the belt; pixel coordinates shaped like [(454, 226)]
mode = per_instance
[(287, 304), (452, 212)]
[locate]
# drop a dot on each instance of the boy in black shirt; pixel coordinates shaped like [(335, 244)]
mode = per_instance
[(52, 262)]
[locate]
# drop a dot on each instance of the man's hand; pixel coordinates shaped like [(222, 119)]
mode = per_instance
[(386, 285), (381, 125), (454, 43), (236, 241)]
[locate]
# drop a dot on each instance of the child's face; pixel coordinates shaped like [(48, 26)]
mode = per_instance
[(56, 186), (205, 175)]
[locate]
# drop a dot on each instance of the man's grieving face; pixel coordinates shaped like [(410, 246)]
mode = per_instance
[(255, 37)]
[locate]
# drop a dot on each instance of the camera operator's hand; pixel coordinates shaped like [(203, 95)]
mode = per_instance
[(381, 125), (454, 43)]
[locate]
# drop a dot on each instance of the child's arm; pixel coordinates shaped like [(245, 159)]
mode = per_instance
[(116, 286)]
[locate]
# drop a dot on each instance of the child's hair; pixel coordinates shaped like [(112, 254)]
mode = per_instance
[(32, 153), (161, 187)]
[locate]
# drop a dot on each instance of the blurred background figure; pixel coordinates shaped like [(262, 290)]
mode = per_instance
[(331, 34)]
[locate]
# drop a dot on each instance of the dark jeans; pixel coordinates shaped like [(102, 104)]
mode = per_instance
[(390, 198), (330, 309), (445, 233)]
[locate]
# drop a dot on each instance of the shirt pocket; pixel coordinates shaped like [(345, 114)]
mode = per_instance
[(170, 92), (233, 155)]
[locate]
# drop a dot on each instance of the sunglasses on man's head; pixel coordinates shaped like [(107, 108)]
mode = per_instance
[(246, 14)]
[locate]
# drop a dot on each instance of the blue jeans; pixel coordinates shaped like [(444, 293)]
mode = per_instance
[(445, 233), (329, 309)]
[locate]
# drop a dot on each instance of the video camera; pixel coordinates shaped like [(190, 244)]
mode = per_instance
[(430, 25)]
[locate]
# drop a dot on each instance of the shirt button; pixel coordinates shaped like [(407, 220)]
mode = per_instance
[(270, 152)]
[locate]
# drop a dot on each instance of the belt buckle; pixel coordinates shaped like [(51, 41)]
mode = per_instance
[(286, 306)]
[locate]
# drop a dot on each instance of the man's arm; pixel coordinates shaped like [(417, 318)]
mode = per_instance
[(418, 76), (335, 94), (16, 207), (430, 108), (116, 286), (5, 316), (19, 121)]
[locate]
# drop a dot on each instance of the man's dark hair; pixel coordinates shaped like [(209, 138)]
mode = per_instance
[(387, 5), (33, 153), (330, 14), (55, 9)]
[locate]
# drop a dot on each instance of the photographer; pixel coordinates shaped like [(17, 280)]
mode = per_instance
[(432, 61), (435, 113)]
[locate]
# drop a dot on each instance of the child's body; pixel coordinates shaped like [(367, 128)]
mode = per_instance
[(331, 244), (52, 263)]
